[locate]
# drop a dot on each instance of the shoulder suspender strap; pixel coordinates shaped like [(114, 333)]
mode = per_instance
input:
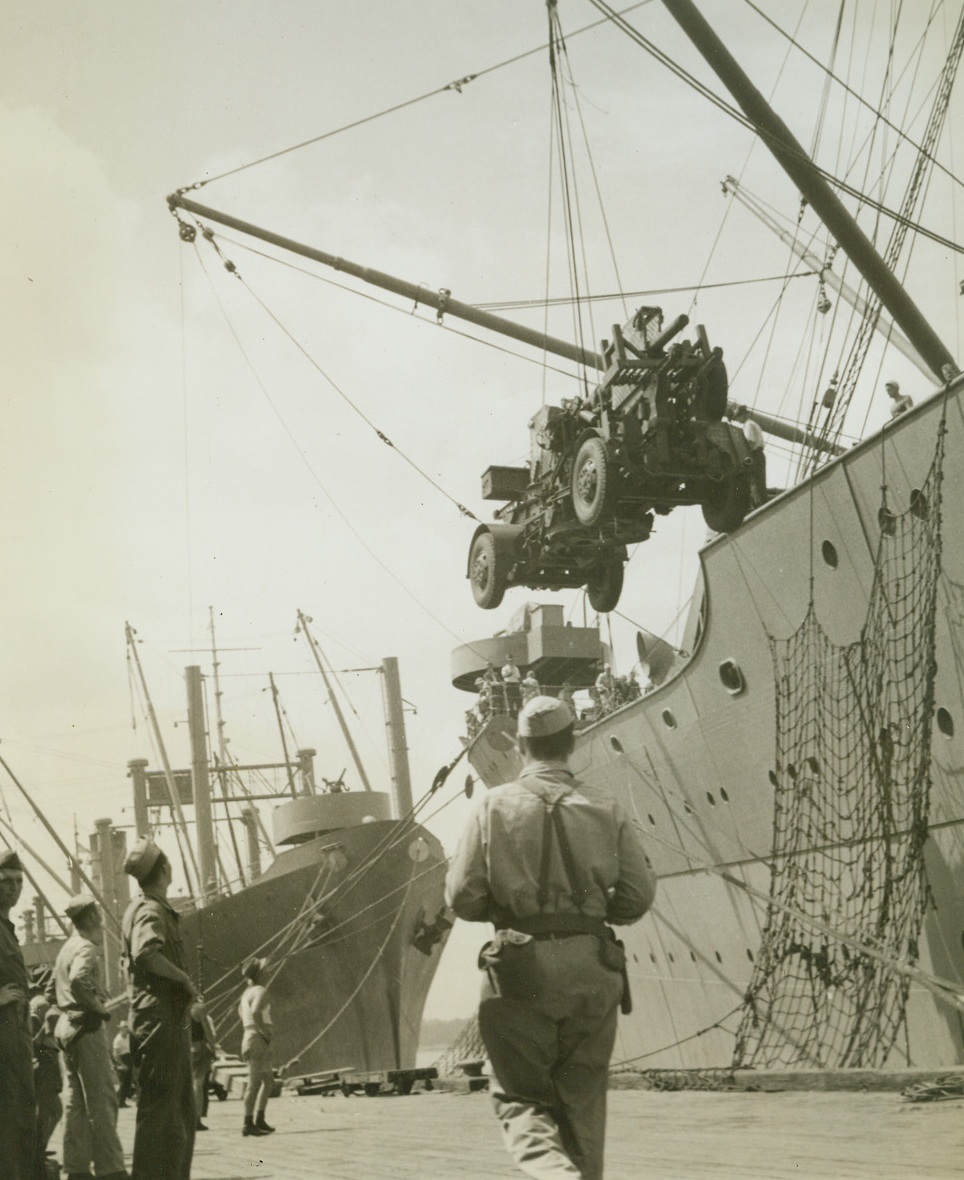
[(568, 860), (553, 819), (542, 893)]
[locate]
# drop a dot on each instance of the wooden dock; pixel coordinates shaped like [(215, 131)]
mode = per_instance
[(685, 1135)]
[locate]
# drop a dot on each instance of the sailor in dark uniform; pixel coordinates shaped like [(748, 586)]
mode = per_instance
[(161, 993), (20, 1156)]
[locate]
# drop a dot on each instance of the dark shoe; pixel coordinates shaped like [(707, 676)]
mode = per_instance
[(262, 1125), (201, 1126), (251, 1128)]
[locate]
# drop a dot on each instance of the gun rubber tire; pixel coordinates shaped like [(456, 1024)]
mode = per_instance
[(604, 586), (725, 509), (487, 572), (592, 481)]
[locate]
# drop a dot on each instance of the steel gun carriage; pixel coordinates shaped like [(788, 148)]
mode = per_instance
[(650, 437)]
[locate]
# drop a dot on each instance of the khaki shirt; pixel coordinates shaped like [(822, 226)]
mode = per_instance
[(495, 871), (152, 924), (79, 977)]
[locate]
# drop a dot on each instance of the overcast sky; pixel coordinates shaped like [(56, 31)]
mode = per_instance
[(167, 448)]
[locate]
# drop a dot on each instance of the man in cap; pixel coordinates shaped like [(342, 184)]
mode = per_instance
[(20, 1156), (90, 1115), (899, 402), (549, 860), (255, 1013), (161, 993)]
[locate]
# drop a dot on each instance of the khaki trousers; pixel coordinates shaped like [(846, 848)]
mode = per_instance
[(550, 1060), (90, 1112), (166, 1115)]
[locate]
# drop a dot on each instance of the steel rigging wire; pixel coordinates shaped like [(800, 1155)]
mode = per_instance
[(739, 117)]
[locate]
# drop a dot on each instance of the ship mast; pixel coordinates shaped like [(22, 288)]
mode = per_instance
[(180, 826), (395, 732), (346, 732), (826, 204)]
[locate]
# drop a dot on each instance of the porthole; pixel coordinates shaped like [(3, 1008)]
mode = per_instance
[(693, 956), (945, 722), (616, 744), (635, 960), (919, 505), (723, 795), (670, 957), (731, 677), (813, 762), (749, 954), (668, 719), (773, 778), (652, 958), (719, 957), (887, 521), (791, 770), (829, 554), (651, 820), (710, 799)]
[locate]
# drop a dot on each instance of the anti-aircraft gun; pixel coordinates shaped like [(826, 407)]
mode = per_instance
[(649, 438)]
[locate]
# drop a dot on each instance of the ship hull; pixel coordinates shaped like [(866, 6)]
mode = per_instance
[(335, 917), (695, 761)]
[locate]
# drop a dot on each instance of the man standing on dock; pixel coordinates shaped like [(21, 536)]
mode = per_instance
[(161, 992), (90, 1116), (550, 860), (19, 1144), (254, 1011)]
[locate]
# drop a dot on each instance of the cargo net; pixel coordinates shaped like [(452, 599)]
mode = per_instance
[(850, 815), (464, 1050)]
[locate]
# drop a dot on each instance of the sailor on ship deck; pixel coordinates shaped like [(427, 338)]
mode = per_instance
[(549, 860), (900, 402)]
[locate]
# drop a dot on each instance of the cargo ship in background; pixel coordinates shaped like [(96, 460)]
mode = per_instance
[(348, 914)]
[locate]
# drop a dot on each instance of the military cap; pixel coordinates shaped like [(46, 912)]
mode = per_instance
[(141, 859), (253, 968), (10, 860), (543, 716), (77, 905)]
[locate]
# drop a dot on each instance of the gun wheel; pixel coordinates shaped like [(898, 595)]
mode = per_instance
[(592, 480), (486, 572), (604, 586), (725, 509)]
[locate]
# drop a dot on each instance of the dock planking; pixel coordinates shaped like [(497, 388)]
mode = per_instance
[(683, 1135)]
